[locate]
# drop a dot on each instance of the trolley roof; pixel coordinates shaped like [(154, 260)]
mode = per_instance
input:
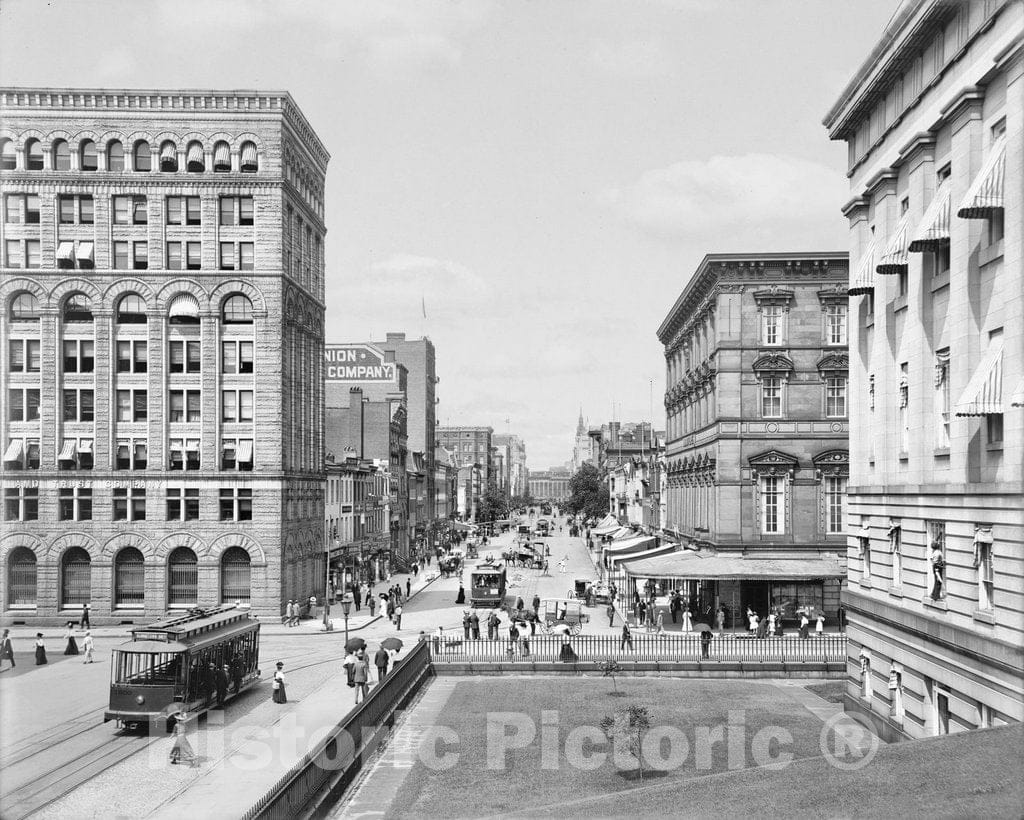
[(195, 625)]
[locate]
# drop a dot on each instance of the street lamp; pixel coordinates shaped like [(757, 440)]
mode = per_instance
[(346, 606)]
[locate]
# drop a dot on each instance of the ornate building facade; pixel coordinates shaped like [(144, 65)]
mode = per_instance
[(756, 405), (162, 290), (934, 123)]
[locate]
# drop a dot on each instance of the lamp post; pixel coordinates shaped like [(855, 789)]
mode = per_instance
[(346, 606)]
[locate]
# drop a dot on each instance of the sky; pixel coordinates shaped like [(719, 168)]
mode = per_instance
[(540, 177)]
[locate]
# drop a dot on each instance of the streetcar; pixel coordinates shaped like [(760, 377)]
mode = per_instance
[(173, 665), (487, 585)]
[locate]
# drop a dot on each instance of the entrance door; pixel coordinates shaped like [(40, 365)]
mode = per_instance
[(756, 595)]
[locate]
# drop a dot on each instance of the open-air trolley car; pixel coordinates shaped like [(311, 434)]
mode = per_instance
[(487, 585), (173, 665)]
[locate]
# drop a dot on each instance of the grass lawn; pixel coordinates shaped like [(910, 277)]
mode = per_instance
[(830, 690), (525, 784)]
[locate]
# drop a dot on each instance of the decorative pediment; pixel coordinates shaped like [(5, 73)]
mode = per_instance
[(832, 462), (772, 363), (834, 361), (773, 295), (773, 462), (831, 296)]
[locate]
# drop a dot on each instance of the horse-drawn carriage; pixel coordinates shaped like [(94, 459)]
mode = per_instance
[(562, 616)]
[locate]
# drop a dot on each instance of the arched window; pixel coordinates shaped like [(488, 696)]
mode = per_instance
[(129, 578), (183, 310), (34, 155), (25, 308), (61, 156), (221, 158), (8, 156), (115, 156), (182, 577), (142, 156), (237, 310), (75, 578), (88, 156), (168, 156), (21, 577), (250, 163), (77, 308), (235, 576), (131, 310), (195, 162)]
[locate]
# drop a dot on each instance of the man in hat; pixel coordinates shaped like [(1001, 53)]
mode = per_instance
[(467, 624), (474, 625), (380, 660)]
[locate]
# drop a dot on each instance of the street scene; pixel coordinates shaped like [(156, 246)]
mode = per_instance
[(453, 408)]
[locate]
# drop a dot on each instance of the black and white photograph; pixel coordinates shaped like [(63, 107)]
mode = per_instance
[(465, 409)]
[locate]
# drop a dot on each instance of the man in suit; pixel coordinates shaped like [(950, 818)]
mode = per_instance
[(380, 660)]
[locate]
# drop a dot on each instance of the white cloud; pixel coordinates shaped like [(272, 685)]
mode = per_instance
[(641, 59), (754, 194)]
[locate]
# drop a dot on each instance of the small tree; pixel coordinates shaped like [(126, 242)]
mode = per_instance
[(628, 726), (609, 669)]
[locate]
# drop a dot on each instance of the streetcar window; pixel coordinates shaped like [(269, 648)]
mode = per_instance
[(148, 669)]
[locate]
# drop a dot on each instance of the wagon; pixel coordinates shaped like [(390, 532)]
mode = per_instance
[(562, 616)]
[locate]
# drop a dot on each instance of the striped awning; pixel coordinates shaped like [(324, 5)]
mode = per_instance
[(621, 560), (249, 155), (85, 446), (244, 452), (85, 251), (65, 250), (169, 151), (864, 281), (13, 451), (185, 304), (984, 393), (1017, 399), (933, 231), (222, 156), (896, 256), (986, 192), (67, 452), (195, 154)]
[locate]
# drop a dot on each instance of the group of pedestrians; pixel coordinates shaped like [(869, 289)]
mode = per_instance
[(70, 647)]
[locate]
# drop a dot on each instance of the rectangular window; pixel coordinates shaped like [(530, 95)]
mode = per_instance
[(771, 320), (140, 255), (986, 577), (194, 255), (14, 257), (994, 429), (193, 211), (185, 357), (21, 504), (129, 504), (771, 397), (140, 214), (896, 553), (245, 210), (132, 405), (229, 357), (12, 208), (229, 405), (85, 210), (772, 504), (936, 582), (173, 256), (235, 504), (227, 210), (246, 258), (66, 210), (75, 504), (174, 208), (835, 503), (227, 256), (78, 405), (120, 256), (942, 399), (836, 323), (32, 253), (122, 209), (835, 397), (32, 209), (940, 261), (23, 355), (78, 356), (904, 408), (183, 504), (185, 406), (131, 454)]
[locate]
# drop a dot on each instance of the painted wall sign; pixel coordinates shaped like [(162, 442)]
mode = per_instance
[(357, 363)]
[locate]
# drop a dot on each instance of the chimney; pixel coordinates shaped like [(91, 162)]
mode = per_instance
[(395, 337)]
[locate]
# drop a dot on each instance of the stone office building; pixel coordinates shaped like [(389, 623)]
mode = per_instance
[(756, 405), (934, 122), (161, 294)]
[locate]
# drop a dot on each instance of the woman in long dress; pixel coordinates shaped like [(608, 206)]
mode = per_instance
[(687, 620), (461, 597), (72, 644), (278, 685), (40, 649), (819, 627)]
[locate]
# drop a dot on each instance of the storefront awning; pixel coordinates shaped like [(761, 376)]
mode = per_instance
[(627, 545), (692, 565), (606, 530), (622, 560), (984, 393), (607, 521), (864, 281), (13, 451), (896, 256), (986, 192), (66, 250), (85, 251), (933, 231), (67, 452)]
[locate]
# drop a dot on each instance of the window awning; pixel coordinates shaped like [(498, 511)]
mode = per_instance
[(85, 446), (195, 154), (933, 231), (169, 151), (864, 281), (982, 538), (85, 251), (986, 192), (13, 451), (244, 452), (1017, 400), (984, 393), (184, 304), (896, 256), (248, 154), (67, 452), (691, 565), (222, 156), (65, 250)]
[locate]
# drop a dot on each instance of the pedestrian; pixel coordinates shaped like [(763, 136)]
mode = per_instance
[(415, 569), (236, 673), (439, 639), (357, 597), (546, 567), (611, 615), (687, 619), (461, 597), (371, 602), (513, 639), (361, 675), (536, 605), (474, 624), (661, 623), (350, 667), (772, 620), (223, 679), (278, 685), (492, 626), (71, 647), (674, 606), (520, 605), (40, 649), (751, 621), (627, 638), (467, 624), (705, 644), (312, 607), (381, 660), (6, 649), (804, 624), (398, 617), (720, 619), (88, 646), (85, 616), (408, 588), (819, 627), (642, 612)]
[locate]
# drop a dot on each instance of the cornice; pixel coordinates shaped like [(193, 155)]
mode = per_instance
[(858, 203), (882, 184), (915, 149)]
